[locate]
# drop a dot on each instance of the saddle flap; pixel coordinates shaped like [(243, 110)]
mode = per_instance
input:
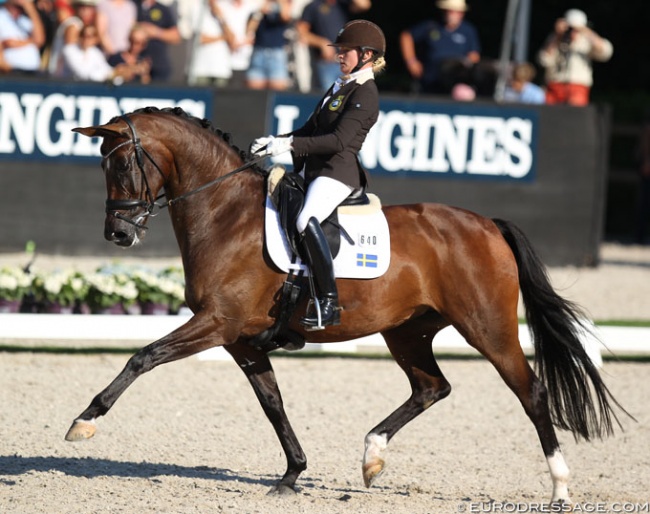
[(287, 191)]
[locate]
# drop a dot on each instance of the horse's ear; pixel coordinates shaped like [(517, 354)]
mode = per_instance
[(99, 131)]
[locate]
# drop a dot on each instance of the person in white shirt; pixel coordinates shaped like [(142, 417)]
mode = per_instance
[(21, 35), (85, 61), (236, 14), (211, 58)]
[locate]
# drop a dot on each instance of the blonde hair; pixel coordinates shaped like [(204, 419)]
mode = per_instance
[(524, 72), (378, 65)]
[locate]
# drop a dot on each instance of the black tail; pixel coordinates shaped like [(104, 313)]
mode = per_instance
[(561, 361)]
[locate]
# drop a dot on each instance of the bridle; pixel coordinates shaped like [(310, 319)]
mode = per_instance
[(150, 203)]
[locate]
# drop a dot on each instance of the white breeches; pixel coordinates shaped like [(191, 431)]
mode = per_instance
[(324, 195)]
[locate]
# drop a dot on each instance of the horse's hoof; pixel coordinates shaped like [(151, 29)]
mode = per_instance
[(81, 429), (282, 490), (372, 470)]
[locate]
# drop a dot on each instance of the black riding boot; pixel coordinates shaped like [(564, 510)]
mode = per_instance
[(320, 264)]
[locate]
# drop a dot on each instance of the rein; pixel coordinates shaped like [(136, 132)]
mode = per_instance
[(151, 203)]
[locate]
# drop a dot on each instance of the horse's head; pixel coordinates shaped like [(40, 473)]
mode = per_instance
[(133, 177)]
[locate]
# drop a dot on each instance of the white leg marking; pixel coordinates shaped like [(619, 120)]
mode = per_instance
[(375, 444), (560, 476)]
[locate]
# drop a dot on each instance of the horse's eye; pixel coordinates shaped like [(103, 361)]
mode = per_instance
[(122, 164)]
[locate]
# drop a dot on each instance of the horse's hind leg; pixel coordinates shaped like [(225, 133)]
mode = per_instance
[(501, 347), (410, 345), (257, 368)]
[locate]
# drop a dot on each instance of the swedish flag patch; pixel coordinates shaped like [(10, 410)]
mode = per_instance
[(367, 260)]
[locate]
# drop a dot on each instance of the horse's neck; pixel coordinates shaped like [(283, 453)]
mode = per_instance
[(209, 222)]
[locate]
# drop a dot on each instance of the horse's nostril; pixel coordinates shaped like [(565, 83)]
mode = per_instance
[(115, 236)]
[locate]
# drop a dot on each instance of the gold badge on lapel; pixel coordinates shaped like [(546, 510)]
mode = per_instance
[(336, 103)]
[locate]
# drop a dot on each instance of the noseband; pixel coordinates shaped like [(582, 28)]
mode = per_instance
[(151, 203)]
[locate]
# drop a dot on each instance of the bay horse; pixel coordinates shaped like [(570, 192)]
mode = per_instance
[(448, 266)]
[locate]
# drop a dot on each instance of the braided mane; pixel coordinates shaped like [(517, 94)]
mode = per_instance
[(203, 123)]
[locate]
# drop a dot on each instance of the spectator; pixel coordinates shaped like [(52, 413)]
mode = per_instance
[(567, 56), (521, 88), (85, 61), (318, 26), (115, 21), (63, 9), (21, 35), (449, 50), (269, 68), (135, 57), (211, 58), (49, 19), (84, 14), (160, 24), (4, 65), (236, 14)]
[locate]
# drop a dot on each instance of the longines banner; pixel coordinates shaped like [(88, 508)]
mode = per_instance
[(36, 118), (435, 140)]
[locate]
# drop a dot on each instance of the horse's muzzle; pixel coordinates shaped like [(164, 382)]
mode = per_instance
[(121, 231)]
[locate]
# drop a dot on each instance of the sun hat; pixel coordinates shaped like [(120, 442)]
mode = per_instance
[(576, 18), (452, 5)]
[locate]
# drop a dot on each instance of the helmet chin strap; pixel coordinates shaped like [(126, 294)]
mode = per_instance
[(360, 63)]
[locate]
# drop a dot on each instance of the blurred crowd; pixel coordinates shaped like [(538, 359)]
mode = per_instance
[(279, 45)]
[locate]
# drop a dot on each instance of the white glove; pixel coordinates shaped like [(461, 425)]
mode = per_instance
[(260, 145), (279, 145)]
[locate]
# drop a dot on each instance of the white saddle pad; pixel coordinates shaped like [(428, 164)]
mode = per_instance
[(368, 257)]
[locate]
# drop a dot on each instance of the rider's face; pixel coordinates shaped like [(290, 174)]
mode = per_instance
[(348, 58)]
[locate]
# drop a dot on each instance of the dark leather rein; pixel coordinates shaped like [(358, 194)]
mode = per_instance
[(150, 203)]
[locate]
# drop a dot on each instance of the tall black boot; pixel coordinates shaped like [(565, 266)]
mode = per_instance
[(320, 264)]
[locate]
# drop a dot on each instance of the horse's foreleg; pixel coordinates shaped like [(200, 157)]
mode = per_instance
[(410, 345), (258, 370), (198, 334)]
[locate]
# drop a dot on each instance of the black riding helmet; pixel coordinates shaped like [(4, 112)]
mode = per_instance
[(362, 35)]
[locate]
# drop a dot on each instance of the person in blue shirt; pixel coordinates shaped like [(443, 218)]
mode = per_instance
[(441, 55), (269, 68), (521, 88), (318, 26)]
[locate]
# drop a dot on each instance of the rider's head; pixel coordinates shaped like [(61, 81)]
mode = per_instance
[(369, 41)]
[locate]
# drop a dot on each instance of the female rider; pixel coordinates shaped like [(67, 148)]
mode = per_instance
[(326, 149)]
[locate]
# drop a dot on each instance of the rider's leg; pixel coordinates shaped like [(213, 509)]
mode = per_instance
[(320, 263), (323, 196)]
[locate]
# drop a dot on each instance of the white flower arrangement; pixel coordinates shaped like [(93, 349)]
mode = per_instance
[(106, 289), (162, 288), (14, 283), (62, 287)]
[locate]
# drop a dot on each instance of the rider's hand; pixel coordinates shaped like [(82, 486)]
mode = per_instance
[(260, 145), (279, 145)]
